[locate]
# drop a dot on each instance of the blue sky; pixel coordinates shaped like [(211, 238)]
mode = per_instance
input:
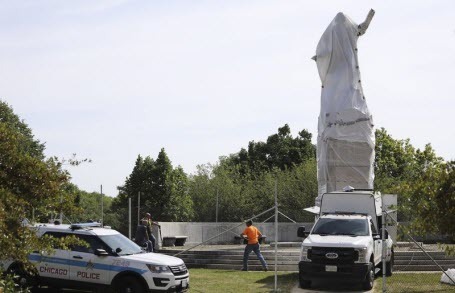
[(109, 80)]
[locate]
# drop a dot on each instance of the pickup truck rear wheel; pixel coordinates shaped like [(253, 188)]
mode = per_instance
[(129, 284), (369, 279), (389, 266)]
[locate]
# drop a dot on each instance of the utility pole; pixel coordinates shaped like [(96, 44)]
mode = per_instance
[(129, 217), (276, 235), (216, 216), (102, 207), (138, 207)]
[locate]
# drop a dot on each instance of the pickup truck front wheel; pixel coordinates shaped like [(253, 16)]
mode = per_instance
[(304, 284), (369, 279)]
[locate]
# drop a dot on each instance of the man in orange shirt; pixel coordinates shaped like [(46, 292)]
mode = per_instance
[(252, 234)]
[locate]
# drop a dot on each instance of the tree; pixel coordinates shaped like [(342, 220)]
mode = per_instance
[(27, 142), (429, 201), (281, 151), (89, 206), (27, 182), (245, 181), (163, 189)]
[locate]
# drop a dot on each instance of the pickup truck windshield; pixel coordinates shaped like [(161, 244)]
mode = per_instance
[(351, 227)]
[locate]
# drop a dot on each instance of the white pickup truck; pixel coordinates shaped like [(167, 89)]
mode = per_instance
[(345, 242)]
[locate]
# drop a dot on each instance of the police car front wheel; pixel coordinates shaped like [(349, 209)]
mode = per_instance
[(129, 285)]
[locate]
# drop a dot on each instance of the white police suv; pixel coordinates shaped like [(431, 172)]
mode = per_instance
[(111, 261)]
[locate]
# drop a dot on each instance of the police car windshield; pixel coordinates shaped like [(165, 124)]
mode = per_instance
[(351, 227), (127, 247)]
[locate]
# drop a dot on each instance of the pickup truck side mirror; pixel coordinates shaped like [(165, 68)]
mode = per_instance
[(301, 232), (378, 236), (386, 234)]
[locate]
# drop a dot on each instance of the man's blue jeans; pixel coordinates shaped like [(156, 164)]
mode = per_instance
[(153, 240), (248, 249), (148, 243)]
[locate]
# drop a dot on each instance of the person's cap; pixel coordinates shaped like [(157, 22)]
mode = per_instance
[(147, 214)]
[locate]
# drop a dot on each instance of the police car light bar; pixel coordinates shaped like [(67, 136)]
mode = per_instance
[(85, 225)]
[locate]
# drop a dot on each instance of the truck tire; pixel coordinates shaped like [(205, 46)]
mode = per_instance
[(129, 284), (389, 266), (369, 279), (304, 284)]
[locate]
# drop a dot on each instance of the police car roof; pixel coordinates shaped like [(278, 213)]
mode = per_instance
[(44, 227)]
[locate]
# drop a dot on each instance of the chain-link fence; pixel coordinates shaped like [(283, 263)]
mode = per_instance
[(418, 263)]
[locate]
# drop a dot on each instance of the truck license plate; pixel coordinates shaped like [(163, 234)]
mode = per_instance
[(330, 268), (184, 283)]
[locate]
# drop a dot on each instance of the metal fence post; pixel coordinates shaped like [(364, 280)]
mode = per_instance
[(384, 247)]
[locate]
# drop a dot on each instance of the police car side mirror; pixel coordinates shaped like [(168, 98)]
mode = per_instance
[(101, 252)]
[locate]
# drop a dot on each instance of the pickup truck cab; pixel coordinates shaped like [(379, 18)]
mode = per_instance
[(345, 247), (110, 261)]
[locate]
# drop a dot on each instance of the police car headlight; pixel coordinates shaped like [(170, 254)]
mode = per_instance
[(362, 255), (158, 269)]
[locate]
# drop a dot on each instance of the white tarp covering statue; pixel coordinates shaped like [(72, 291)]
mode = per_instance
[(345, 145)]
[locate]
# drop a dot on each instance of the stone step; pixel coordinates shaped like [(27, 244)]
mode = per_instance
[(239, 254), (288, 260), (295, 261), (251, 267), (218, 257), (420, 267), (424, 262), (226, 252), (234, 262), (422, 257)]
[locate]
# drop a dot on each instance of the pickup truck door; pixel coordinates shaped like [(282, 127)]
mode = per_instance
[(377, 244)]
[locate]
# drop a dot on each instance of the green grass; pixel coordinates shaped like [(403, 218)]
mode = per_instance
[(414, 283), (207, 280)]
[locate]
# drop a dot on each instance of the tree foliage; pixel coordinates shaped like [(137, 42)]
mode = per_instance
[(28, 182), (423, 181), (163, 191), (280, 151), (88, 206), (244, 183)]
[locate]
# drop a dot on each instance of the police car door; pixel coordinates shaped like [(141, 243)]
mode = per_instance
[(85, 265), (55, 265)]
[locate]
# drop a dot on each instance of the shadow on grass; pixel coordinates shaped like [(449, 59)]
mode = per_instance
[(285, 281)]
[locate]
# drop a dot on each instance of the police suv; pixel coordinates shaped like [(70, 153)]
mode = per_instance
[(110, 260)]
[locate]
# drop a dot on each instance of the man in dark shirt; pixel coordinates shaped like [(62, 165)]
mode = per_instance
[(142, 238)]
